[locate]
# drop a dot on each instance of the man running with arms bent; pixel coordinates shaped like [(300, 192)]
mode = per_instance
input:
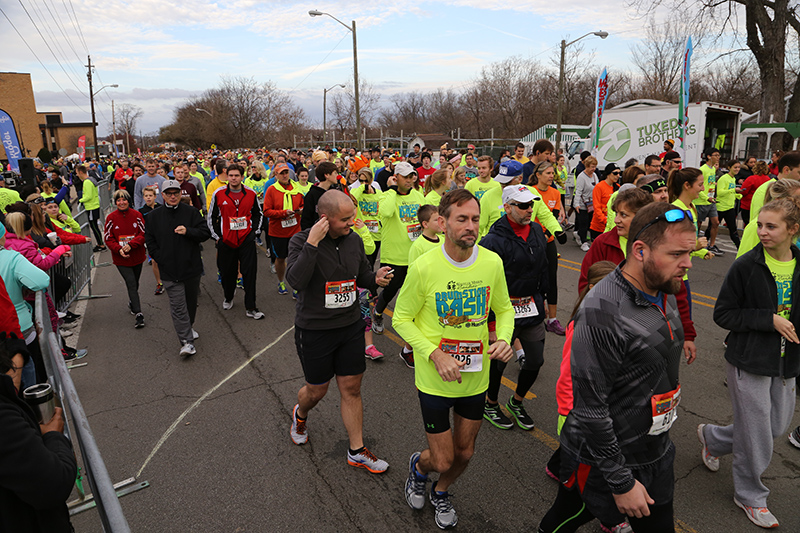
[(442, 311)]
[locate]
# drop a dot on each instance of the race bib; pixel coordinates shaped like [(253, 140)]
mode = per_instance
[(414, 231), (340, 294), (524, 307), (289, 221), (469, 352), (665, 411), (373, 226), (238, 223), (124, 239)]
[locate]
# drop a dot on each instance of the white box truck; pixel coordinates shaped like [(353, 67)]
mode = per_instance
[(639, 128)]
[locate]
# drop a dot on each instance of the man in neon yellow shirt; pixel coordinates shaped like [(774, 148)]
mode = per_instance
[(443, 313), (706, 203), (484, 181), (397, 210), (492, 209)]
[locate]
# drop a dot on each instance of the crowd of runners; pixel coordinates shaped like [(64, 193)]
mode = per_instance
[(461, 252)]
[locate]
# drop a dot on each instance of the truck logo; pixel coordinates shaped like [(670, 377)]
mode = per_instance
[(615, 140)]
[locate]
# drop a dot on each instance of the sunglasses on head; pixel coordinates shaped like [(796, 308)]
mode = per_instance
[(671, 216), (39, 200)]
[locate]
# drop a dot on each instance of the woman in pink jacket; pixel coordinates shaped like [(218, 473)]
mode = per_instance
[(18, 238)]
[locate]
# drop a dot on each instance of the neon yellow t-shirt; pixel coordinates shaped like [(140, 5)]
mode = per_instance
[(303, 188), (433, 198), (422, 246), (709, 183), (368, 204), (476, 187), (492, 209), (401, 227), (726, 193), (758, 199), (782, 271), (447, 306), (697, 253), (611, 214)]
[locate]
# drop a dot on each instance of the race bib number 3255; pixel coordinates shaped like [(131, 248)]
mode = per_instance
[(340, 294)]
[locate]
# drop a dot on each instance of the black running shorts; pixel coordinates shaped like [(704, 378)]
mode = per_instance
[(436, 410), (325, 353)]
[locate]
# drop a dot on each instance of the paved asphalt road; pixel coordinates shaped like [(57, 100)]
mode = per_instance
[(211, 433)]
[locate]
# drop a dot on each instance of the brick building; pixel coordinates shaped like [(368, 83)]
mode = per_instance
[(36, 130)]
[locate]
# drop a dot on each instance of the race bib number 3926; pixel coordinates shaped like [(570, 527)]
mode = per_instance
[(469, 352)]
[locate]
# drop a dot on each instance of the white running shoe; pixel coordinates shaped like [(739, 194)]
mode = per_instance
[(585, 247), (195, 335), (760, 516), (226, 305), (255, 314), (298, 430), (711, 462), (187, 349)]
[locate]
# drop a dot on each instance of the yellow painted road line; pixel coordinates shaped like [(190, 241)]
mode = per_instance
[(703, 296), (568, 261)]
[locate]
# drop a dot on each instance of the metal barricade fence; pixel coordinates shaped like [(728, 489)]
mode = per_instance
[(103, 490), (78, 268)]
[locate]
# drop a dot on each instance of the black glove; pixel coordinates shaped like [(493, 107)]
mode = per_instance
[(561, 237)]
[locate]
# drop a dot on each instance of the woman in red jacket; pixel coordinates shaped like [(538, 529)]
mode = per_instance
[(124, 236)]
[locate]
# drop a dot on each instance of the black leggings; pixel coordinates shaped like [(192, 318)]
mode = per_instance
[(394, 286), (94, 215), (568, 513), (729, 217), (582, 221), (528, 372), (131, 276), (552, 273)]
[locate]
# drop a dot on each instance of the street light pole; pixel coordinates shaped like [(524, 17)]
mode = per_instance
[(564, 45), (325, 110), (352, 29), (92, 94)]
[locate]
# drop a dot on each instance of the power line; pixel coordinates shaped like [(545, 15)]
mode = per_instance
[(40, 61), (58, 46), (77, 23), (58, 24), (320, 63), (80, 90)]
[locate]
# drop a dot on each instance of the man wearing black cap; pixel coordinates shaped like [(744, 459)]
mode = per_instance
[(672, 161)]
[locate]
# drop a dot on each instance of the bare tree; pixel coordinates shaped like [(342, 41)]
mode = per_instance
[(127, 117), (342, 108), (658, 57), (767, 24)]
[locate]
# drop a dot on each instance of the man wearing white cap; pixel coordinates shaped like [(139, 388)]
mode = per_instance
[(526, 274), (510, 173)]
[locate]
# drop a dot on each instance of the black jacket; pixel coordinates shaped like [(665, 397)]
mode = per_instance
[(525, 264), (309, 268), (310, 216), (178, 256), (37, 471), (746, 304)]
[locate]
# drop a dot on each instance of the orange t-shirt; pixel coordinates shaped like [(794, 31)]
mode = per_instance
[(552, 199), (600, 195)]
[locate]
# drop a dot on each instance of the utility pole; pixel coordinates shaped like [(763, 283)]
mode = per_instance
[(91, 102), (114, 128)]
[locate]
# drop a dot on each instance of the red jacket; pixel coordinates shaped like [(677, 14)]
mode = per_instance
[(280, 217), (564, 382), (120, 175), (125, 227), (234, 219), (749, 187), (606, 248)]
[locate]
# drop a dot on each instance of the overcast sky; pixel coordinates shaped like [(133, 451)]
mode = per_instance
[(162, 51)]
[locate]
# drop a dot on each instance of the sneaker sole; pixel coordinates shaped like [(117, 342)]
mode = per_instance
[(794, 442), (362, 465), (520, 424), (498, 426), (373, 358)]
